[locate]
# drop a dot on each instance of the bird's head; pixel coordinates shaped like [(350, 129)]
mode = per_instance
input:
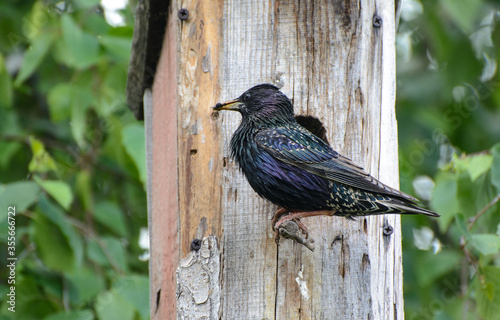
[(262, 103)]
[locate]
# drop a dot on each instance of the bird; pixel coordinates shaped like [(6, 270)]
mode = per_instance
[(295, 168)]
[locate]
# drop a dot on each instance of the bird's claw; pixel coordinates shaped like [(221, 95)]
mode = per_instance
[(285, 218), (302, 228), (291, 230)]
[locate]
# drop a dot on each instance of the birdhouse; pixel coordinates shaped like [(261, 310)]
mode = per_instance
[(213, 250)]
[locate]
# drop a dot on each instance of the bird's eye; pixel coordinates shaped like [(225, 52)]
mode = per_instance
[(246, 97)]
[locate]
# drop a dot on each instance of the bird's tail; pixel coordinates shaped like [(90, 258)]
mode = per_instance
[(408, 208)]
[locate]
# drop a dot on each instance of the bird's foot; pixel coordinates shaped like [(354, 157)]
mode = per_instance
[(279, 213), (287, 224), (292, 229), (281, 218), (302, 228)]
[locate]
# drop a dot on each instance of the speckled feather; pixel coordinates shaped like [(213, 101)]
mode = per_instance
[(291, 167)]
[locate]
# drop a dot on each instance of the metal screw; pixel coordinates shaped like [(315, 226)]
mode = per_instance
[(195, 245), (388, 230), (377, 21), (183, 14)]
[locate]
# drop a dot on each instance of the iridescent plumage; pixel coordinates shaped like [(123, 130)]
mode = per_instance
[(298, 171)]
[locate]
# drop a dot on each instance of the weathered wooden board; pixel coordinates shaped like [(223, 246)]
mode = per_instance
[(163, 193), (198, 282), (336, 64), (199, 136)]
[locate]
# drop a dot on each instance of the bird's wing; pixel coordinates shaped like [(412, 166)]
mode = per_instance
[(300, 148)]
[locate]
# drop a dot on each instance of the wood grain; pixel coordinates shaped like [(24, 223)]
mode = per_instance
[(163, 198), (199, 156), (335, 65)]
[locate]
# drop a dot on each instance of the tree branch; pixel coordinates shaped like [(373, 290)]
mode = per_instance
[(483, 211)]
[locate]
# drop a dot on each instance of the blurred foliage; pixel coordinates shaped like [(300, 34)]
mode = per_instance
[(448, 110), (72, 162)]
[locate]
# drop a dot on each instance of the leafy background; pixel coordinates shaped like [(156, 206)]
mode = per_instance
[(448, 110), (72, 161)]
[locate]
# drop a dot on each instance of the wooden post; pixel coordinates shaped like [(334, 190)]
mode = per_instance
[(336, 61)]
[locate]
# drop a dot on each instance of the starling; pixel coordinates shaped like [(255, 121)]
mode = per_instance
[(298, 171)]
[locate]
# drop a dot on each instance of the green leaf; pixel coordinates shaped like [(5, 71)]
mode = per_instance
[(495, 167), (113, 147), (59, 101), (5, 85), (41, 161), (80, 101), (442, 263), (113, 86), (122, 31), (56, 216), (133, 140), (484, 193), (51, 245), (96, 24), (83, 189), (86, 4), (31, 303), (118, 46), (134, 290), (33, 25), (475, 165), (78, 48), (110, 215), (478, 165), (20, 194), (110, 306), (488, 293), (10, 123), (95, 253), (59, 190), (7, 150), (460, 163), (84, 285), (486, 243), (69, 101), (49, 281), (444, 199), (463, 12), (34, 56), (107, 252), (467, 193), (462, 227), (116, 79), (84, 314)]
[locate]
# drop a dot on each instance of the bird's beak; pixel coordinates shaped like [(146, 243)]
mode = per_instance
[(233, 105)]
